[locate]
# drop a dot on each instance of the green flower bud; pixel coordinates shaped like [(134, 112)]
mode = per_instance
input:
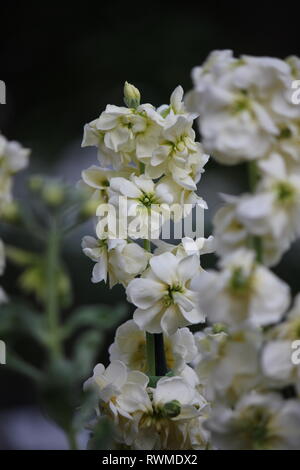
[(219, 328), (36, 183), (171, 409), (132, 96), (10, 212), (53, 194)]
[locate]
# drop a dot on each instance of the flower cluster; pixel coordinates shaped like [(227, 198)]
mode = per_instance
[(244, 362), (13, 158), (150, 158), (246, 114)]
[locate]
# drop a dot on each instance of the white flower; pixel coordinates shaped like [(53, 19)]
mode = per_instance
[(231, 232), (180, 199), (129, 134), (188, 246), (162, 414), (178, 154), (257, 422), (176, 105), (242, 291), (110, 383), (242, 104), (118, 259), (163, 295), (228, 362), (146, 210), (13, 158), (130, 347), (277, 354), (275, 207)]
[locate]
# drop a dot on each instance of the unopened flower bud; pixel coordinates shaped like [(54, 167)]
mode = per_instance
[(53, 194), (171, 409), (36, 183), (219, 328), (10, 212), (132, 96)]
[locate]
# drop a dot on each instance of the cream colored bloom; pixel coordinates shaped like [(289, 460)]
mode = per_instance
[(242, 291), (117, 259), (124, 135), (243, 104), (146, 209), (228, 361), (257, 422), (163, 294), (277, 353), (162, 415), (231, 232), (187, 246), (178, 154), (130, 347)]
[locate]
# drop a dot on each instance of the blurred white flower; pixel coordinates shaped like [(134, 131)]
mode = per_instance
[(231, 232), (163, 294), (242, 103), (275, 206), (257, 422), (242, 290), (130, 347), (228, 362), (277, 354), (119, 260)]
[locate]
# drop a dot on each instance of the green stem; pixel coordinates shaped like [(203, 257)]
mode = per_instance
[(253, 177), (52, 306), (150, 341), (150, 351), (71, 435)]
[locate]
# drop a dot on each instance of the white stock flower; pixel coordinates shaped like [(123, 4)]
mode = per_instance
[(187, 246), (124, 135), (277, 354), (242, 290), (163, 294), (145, 208), (275, 206), (110, 383), (242, 104), (228, 362), (130, 347), (163, 414), (119, 260), (231, 232), (178, 154), (257, 422)]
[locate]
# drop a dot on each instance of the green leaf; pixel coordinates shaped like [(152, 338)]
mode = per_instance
[(86, 349), (101, 436), (59, 393), (17, 318), (100, 317)]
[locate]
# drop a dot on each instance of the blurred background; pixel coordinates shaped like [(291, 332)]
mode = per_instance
[(61, 66)]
